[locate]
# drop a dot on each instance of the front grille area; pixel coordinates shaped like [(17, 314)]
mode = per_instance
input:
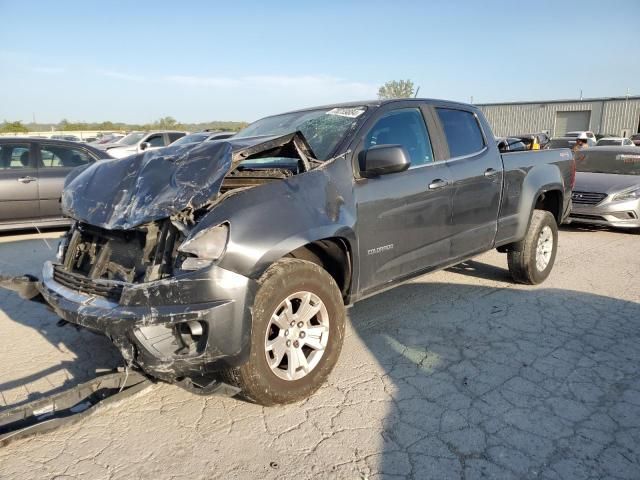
[(100, 262), (587, 198), (80, 283)]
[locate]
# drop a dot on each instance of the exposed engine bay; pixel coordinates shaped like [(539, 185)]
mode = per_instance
[(110, 244)]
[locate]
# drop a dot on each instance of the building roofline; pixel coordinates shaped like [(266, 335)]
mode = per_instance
[(569, 100)]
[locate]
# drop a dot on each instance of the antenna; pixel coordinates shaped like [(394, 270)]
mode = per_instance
[(416, 94)]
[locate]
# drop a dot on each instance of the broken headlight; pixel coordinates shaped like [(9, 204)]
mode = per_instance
[(206, 246)]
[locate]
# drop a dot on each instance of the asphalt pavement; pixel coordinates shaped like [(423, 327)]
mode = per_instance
[(457, 374)]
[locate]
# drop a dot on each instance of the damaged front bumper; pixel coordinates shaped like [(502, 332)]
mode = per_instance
[(185, 326)]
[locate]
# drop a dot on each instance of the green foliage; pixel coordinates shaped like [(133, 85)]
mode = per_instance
[(13, 127), (165, 123), (396, 89)]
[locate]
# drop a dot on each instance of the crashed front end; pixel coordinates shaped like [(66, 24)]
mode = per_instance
[(136, 266), (170, 322)]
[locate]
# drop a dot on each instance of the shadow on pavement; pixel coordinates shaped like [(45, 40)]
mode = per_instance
[(485, 271), (38, 356), (505, 383)]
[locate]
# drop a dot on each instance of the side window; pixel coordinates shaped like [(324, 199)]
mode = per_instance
[(462, 130), (173, 136), (53, 156), (156, 140), (403, 127), (14, 155)]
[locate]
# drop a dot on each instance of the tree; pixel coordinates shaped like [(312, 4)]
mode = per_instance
[(167, 123), (396, 89), (13, 127)]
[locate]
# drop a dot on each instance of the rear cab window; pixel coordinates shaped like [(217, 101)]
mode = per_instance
[(462, 131), (173, 136)]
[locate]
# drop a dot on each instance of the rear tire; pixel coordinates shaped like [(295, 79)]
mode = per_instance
[(531, 260), (296, 337)]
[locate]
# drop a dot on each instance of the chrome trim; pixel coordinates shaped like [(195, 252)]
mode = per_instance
[(72, 295), (479, 152)]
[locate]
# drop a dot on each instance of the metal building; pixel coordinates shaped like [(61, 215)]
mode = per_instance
[(618, 116)]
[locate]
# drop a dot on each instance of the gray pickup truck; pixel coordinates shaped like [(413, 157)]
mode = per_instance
[(233, 261)]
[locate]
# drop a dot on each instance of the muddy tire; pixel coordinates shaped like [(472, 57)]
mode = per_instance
[(297, 334), (531, 260)]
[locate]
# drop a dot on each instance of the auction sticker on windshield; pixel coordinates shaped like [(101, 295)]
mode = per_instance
[(347, 112)]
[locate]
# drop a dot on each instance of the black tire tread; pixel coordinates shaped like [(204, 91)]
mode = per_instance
[(519, 257), (245, 376)]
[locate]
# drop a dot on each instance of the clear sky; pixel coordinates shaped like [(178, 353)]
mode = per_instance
[(137, 61)]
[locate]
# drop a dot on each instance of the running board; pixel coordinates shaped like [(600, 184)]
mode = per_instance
[(69, 406)]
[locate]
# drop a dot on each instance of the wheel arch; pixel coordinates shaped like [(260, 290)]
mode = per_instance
[(332, 249)]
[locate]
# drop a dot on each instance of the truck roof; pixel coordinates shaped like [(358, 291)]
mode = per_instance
[(379, 103)]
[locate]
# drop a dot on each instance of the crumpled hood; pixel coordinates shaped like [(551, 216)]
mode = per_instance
[(124, 193), (604, 182)]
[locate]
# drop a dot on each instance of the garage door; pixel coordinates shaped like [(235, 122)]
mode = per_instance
[(571, 121)]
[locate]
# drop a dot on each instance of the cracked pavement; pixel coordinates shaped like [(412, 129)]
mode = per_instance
[(457, 374)]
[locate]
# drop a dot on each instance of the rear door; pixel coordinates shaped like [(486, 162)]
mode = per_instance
[(403, 218), (476, 168), (18, 182), (54, 163)]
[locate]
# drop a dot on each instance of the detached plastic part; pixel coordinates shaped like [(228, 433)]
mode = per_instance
[(70, 405), (24, 285), (207, 386)]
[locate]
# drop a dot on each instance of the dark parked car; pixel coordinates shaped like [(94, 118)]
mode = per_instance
[(32, 173), (635, 138), (233, 260)]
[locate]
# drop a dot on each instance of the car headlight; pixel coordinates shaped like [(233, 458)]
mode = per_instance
[(632, 194), (207, 246)]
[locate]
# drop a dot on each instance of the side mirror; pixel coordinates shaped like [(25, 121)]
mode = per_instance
[(144, 145), (383, 159)]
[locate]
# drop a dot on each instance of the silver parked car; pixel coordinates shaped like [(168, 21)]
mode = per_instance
[(607, 189)]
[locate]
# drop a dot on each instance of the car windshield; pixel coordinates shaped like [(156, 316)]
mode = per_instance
[(193, 138), (571, 134), (561, 143), (322, 128), (621, 163), (609, 142), (132, 138)]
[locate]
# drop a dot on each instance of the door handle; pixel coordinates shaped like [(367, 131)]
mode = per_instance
[(438, 183), (490, 172), (26, 179)]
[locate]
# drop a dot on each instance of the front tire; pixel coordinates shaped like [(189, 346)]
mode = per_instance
[(297, 334), (531, 260)]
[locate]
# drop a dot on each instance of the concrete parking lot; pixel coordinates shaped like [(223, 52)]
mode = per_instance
[(459, 374)]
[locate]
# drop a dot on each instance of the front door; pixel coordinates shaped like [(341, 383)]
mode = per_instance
[(18, 183), (403, 218)]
